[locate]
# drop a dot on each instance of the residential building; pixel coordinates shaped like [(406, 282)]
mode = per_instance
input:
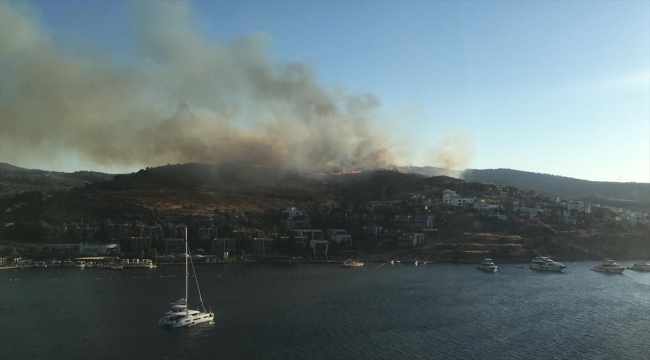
[(140, 243), (115, 232), (566, 217), (310, 234), (319, 247), (333, 232), (150, 230), (579, 206), (418, 221), (301, 241), (499, 216), (382, 203), (450, 197), (86, 234), (374, 230), (65, 248), (99, 249), (175, 245), (481, 205), (343, 240), (410, 240), (221, 246), (292, 212), (331, 203), (263, 246), (207, 233), (242, 235)]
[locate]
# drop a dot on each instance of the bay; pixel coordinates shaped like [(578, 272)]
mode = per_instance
[(311, 311)]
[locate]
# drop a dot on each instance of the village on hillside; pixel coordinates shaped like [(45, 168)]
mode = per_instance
[(465, 224)]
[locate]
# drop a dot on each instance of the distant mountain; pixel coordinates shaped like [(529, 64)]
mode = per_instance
[(559, 185), (15, 180)]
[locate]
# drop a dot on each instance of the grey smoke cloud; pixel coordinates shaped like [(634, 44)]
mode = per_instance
[(182, 98)]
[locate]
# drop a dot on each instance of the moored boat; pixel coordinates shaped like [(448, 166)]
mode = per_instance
[(351, 263), (544, 263), (641, 266), (488, 266), (180, 315), (608, 267)]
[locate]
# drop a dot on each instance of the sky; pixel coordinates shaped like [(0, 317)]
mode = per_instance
[(556, 87)]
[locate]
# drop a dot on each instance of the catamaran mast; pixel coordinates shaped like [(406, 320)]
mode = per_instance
[(187, 303)]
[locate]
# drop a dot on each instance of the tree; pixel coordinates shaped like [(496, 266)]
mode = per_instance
[(153, 253)]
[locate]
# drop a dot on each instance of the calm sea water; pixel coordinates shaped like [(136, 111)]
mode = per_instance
[(327, 312)]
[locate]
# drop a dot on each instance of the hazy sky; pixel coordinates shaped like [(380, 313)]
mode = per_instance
[(559, 87)]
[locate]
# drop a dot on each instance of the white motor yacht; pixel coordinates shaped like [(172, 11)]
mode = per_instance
[(487, 265), (544, 263), (180, 315), (609, 267), (641, 266)]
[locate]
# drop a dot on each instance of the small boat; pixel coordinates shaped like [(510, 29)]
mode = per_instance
[(608, 267), (40, 264), (416, 263), (180, 315), (544, 263), (641, 266), (91, 264), (351, 263), (392, 262), (80, 264), (68, 263), (488, 266), (55, 263)]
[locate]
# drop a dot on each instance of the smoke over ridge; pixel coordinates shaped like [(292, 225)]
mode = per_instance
[(183, 98)]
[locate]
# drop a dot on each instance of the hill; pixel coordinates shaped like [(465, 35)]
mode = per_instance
[(237, 196), (181, 190), (15, 180), (546, 184)]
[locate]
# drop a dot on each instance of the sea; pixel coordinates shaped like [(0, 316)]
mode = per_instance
[(324, 311)]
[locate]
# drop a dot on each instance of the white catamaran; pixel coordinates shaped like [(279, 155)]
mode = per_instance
[(180, 315)]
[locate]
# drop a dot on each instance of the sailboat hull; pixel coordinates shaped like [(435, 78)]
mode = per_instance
[(191, 320)]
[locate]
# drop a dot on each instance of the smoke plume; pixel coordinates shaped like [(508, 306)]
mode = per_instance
[(180, 98), (454, 152)]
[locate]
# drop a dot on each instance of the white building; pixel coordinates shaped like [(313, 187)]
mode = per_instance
[(319, 247), (499, 216), (292, 212), (530, 213), (450, 197), (483, 206), (577, 205)]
